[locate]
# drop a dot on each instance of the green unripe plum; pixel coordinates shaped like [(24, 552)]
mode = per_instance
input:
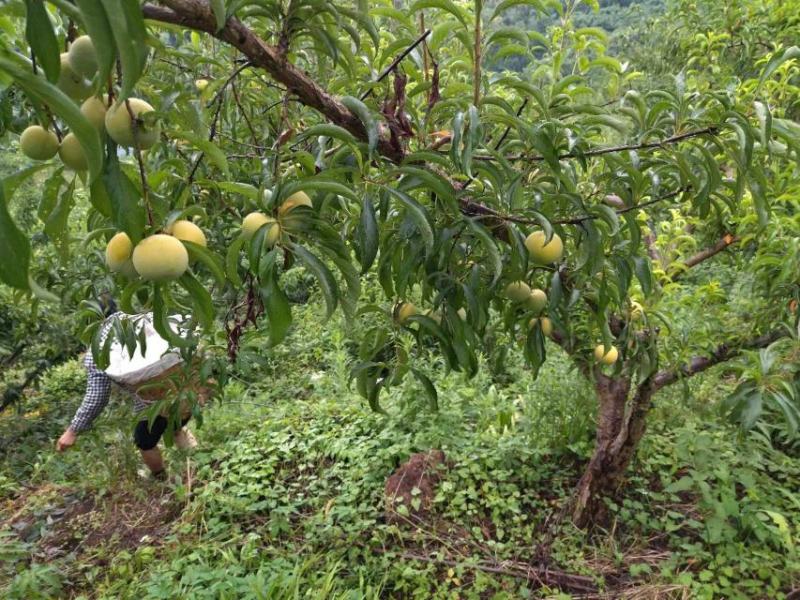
[(188, 232), (545, 323), (118, 252), (70, 82), (94, 109), (128, 271), (82, 57), (72, 154), (605, 357), (293, 201), (120, 127), (38, 143), (536, 301), (518, 291), (404, 311), (254, 221), (637, 311), (541, 253), (160, 257)]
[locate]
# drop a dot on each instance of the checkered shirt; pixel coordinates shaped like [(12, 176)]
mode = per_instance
[(98, 387)]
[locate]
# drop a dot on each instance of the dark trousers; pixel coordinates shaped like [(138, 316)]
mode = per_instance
[(146, 436)]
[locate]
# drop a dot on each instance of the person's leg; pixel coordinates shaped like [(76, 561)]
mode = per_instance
[(146, 438), (184, 439), (154, 461)]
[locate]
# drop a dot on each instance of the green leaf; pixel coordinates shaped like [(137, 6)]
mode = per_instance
[(245, 189), (491, 248), (13, 181), (161, 320), (64, 107), (444, 5), (41, 293), (327, 282), (439, 185), (56, 224), (506, 4), (208, 258), (98, 196), (318, 183), (127, 212), (777, 60), (641, 266), (359, 109), (127, 27), (419, 215), (220, 14), (367, 235), (201, 299), (99, 29), (328, 130), (232, 261), (42, 39), (15, 250), (430, 389), (278, 310)]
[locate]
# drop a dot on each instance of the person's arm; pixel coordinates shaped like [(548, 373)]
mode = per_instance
[(98, 391)]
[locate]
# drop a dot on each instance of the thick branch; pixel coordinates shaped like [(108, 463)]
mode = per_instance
[(197, 14), (704, 255), (722, 353)]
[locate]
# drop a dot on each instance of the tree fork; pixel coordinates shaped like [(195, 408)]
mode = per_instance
[(622, 423)]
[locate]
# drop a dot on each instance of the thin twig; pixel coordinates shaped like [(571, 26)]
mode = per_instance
[(711, 130), (137, 152), (244, 114), (396, 62), (508, 129), (228, 81), (491, 213), (211, 134)]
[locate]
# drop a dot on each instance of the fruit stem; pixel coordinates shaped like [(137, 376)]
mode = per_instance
[(138, 153)]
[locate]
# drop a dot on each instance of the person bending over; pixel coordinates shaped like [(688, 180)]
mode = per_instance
[(98, 392)]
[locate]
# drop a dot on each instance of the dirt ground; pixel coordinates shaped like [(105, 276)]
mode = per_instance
[(59, 521)]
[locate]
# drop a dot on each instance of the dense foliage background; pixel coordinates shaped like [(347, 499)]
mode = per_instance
[(286, 497)]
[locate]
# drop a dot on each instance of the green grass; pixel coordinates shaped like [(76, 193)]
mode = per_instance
[(285, 497)]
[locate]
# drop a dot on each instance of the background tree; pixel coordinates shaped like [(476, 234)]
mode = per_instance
[(426, 171)]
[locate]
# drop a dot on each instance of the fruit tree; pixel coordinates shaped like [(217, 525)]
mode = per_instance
[(220, 141)]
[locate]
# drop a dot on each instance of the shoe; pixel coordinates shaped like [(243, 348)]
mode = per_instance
[(147, 474), (184, 439)]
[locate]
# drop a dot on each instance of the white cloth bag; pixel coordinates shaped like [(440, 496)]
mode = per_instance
[(134, 371)]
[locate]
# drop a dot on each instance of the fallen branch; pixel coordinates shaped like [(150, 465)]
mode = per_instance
[(539, 576)]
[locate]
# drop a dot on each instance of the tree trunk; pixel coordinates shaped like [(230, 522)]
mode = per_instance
[(619, 432)]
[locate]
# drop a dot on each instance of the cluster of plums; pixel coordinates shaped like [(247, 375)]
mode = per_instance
[(78, 66)]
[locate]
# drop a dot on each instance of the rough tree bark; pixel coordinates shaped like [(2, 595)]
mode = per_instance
[(622, 422), (620, 427)]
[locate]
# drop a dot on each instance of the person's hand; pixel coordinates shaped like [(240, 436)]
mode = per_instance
[(66, 440)]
